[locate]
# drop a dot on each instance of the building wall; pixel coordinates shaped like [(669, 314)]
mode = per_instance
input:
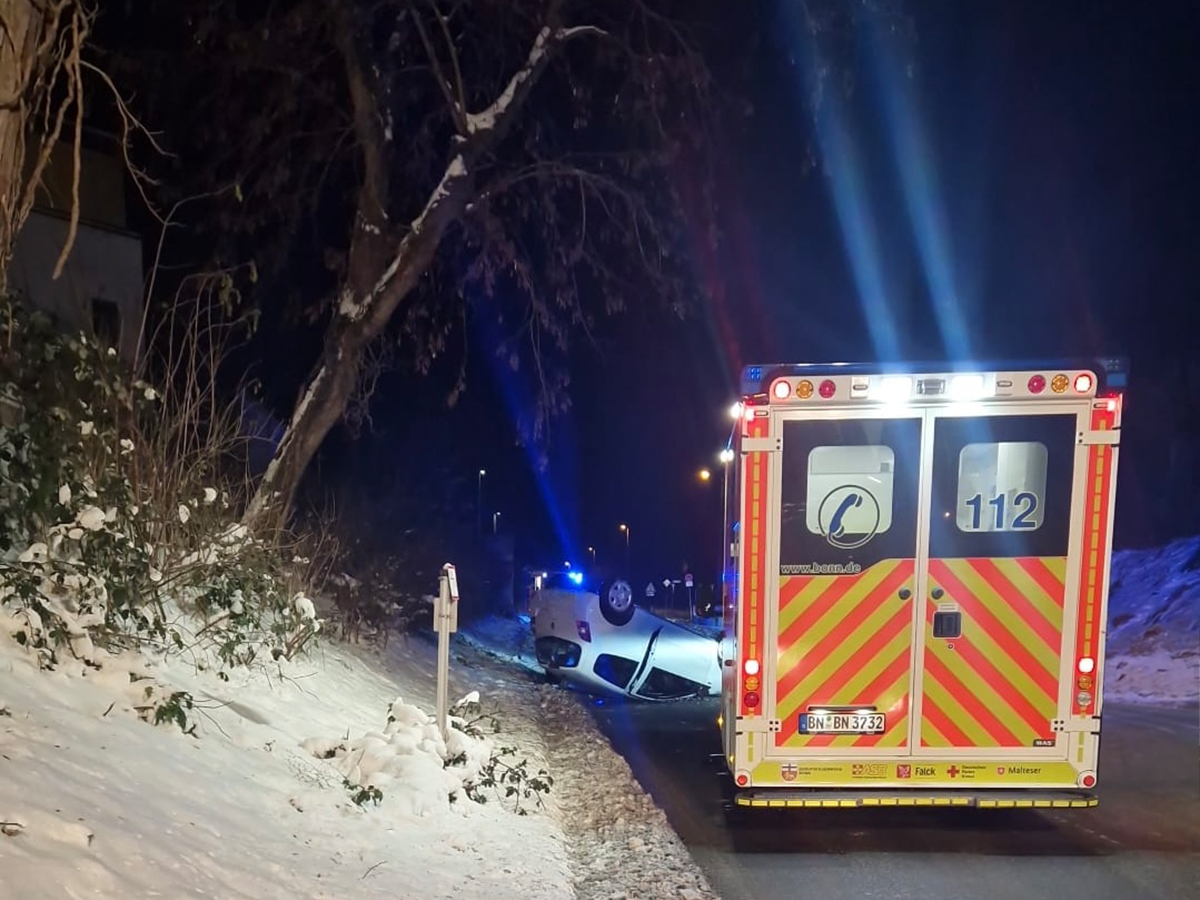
[(105, 267)]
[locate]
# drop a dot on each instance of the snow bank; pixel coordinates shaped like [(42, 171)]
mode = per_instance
[(261, 801), (509, 639), (1153, 644)]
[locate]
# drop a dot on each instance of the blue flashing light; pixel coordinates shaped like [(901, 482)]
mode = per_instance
[(576, 577)]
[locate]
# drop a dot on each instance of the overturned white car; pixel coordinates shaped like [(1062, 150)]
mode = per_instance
[(591, 635)]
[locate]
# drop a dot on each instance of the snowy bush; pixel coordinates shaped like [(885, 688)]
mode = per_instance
[(434, 773), (116, 525)]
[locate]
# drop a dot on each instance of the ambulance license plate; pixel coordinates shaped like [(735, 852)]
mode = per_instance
[(851, 722)]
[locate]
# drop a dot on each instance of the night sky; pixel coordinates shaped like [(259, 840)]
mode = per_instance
[(1015, 181)]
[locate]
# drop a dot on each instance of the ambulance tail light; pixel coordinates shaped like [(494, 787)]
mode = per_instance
[(827, 389), (1085, 681), (750, 684), (781, 389), (1037, 384), (1083, 383)]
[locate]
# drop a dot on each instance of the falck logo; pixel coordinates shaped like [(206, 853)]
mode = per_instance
[(904, 771), (849, 516), (789, 772)]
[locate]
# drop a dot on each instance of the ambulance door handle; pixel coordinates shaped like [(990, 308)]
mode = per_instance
[(905, 593), (938, 593)]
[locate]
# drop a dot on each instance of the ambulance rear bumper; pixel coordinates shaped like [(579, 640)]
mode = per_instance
[(796, 798)]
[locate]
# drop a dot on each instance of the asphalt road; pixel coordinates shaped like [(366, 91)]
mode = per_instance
[(1142, 841)]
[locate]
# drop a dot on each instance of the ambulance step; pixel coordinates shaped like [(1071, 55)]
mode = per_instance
[(791, 798)]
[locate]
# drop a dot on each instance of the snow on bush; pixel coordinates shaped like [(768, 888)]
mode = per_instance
[(116, 519), (434, 773)]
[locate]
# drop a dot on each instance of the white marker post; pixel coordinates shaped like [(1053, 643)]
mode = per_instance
[(445, 623)]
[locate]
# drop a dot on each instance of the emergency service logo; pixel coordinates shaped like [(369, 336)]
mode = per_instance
[(849, 516)]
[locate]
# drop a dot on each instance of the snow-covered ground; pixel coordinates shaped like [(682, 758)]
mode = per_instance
[(1153, 645), (260, 803)]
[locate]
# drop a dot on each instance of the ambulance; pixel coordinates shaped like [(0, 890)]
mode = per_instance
[(916, 585)]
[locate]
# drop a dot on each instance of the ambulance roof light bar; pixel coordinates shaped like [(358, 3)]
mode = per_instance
[(891, 389), (1111, 375)]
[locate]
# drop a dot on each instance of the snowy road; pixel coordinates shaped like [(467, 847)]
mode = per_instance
[(1142, 841)]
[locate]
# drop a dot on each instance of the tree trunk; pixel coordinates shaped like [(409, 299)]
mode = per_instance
[(383, 270), (380, 275), (20, 31)]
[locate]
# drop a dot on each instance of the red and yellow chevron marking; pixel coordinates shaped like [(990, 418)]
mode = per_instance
[(997, 684), (754, 555), (1093, 577), (845, 640)]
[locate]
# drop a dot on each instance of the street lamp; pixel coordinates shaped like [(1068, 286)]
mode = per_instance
[(479, 503), (495, 516), (726, 457), (592, 550), (735, 411), (704, 474)]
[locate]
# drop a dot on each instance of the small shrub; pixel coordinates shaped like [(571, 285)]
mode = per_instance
[(175, 709), (363, 795), (117, 510), (508, 777), (503, 775)]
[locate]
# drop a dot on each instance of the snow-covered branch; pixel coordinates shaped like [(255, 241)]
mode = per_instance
[(546, 40), (485, 126)]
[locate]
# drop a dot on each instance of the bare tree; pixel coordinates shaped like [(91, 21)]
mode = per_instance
[(41, 85), (511, 157)]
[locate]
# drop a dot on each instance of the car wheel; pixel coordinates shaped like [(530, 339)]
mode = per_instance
[(616, 602)]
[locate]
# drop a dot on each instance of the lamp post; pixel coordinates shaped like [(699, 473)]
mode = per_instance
[(479, 503), (704, 474), (495, 518), (592, 551), (625, 529), (726, 457)]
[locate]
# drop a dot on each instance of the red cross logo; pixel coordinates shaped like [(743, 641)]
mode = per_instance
[(953, 771)]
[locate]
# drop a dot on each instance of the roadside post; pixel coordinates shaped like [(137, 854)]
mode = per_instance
[(445, 623)]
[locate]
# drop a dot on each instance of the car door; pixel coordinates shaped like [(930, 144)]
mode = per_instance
[(678, 663)]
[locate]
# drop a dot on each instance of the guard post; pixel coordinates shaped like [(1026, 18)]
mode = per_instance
[(445, 623)]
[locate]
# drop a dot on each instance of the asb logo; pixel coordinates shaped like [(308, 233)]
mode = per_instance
[(849, 516)]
